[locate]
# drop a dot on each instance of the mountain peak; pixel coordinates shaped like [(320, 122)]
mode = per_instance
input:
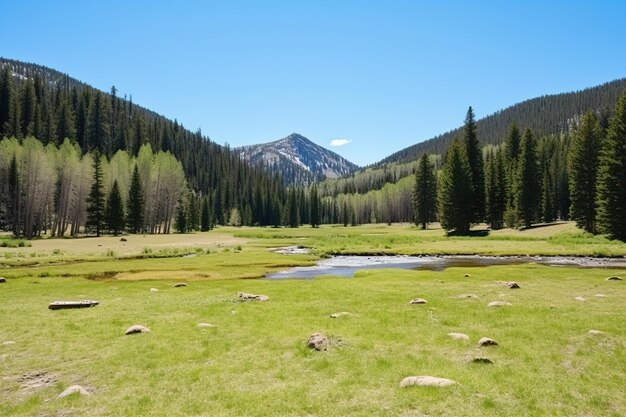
[(298, 159)]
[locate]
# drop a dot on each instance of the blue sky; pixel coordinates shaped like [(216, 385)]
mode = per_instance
[(373, 76)]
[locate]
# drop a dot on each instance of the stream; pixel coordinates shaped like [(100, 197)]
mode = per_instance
[(347, 265)]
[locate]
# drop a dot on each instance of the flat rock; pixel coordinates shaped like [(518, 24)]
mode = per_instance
[(600, 295), (485, 341), (60, 305), (467, 276), (459, 336), (499, 304), (467, 296), (418, 301), (485, 361), (154, 289), (74, 389), (580, 299), (244, 296), (2, 280), (8, 342), (595, 332), (614, 278), (137, 328), (512, 285), (426, 381), (318, 341), (206, 325), (123, 239), (340, 314), (180, 284)]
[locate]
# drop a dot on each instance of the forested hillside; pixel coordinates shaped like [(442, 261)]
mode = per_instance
[(545, 115), (38, 102)]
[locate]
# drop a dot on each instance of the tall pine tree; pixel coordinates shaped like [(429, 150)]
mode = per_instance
[(584, 162), (612, 177), (425, 193), (495, 188), (314, 201), (528, 192), (455, 191), (115, 210), (134, 219), (475, 160), (95, 201)]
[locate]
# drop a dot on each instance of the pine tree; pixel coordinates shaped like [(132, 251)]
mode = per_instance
[(181, 217), (115, 210), (528, 192), (455, 191), (495, 188), (315, 207), (292, 208), (134, 219), (511, 158), (98, 130), (5, 100), (475, 160), (205, 217), (612, 177), (425, 193), (95, 201), (584, 161)]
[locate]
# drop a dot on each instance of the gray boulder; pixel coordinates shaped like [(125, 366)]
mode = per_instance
[(426, 381), (137, 328), (318, 342)]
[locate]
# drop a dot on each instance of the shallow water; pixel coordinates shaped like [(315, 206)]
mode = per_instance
[(346, 266)]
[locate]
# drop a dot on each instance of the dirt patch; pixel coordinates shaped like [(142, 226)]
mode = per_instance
[(36, 380)]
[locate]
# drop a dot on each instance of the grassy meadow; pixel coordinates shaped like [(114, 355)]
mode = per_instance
[(253, 360)]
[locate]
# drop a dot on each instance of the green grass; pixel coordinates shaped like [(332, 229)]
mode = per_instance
[(11, 242), (254, 362)]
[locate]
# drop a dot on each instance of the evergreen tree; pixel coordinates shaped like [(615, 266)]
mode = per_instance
[(612, 177), (181, 217), (495, 188), (455, 191), (115, 210), (28, 105), (13, 203), (98, 133), (425, 193), (291, 210), (315, 207), (528, 192), (5, 100), (584, 162), (134, 221), (193, 218), (205, 217), (95, 201), (475, 159), (345, 215), (275, 212)]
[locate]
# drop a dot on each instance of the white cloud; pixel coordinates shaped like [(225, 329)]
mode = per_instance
[(339, 142)]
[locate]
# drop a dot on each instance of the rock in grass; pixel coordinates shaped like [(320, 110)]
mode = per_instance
[(596, 332), (426, 381), (318, 341), (418, 301), (123, 239), (2, 280), (499, 304), (74, 389), (485, 361), (485, 341), (614, 278), (512, 285), (244, 296), (154, 289), (180, 284), (340, 314), (8, 343), (137, 328), (206, 325), (580, 299), (600, 295), (467, 276), (459, 336), (467, 296)]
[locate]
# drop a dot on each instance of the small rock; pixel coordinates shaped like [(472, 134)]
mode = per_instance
[(318, 341), (418, 301), (600, 295), (340, 314), (8, 342), (580, 299), (154, 289), (244, 296), (74, 389), (499, 304), (206, 325), (180, 284), (467, 296), (485, 361), (137, 328), (485, 341), (467, 276), (459, 336), (596, 332), (426, 381), (512, 285), (2, 280), (614, 278), (123, 239)]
